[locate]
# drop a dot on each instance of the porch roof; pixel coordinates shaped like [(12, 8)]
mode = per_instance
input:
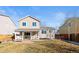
[(24, 30)]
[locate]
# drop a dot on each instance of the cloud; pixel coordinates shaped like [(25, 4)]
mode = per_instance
[(13, 14), (2, 11), (60, 16), (57, 19)]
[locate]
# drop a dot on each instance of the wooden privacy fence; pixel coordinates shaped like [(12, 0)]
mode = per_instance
[(71, 37), (61, 36), (7, 38)]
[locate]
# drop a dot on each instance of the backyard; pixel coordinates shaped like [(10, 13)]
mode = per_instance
[(41, 46)]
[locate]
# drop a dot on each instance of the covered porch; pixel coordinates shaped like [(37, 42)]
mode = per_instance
[(28, 34)]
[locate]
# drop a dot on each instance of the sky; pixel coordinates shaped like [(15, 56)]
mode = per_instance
[(53, 16)]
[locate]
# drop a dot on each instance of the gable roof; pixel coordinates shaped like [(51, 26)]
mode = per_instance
[(30, 17), (73, 19)]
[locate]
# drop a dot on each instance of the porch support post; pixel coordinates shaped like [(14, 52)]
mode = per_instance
[(22, 35), (38, 35), (30, 35), (15, 36)]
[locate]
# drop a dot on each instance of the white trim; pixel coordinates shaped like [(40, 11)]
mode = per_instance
[(22, 35)]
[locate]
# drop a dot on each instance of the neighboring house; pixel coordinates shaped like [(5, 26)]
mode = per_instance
[(29, 28), (7, 27), (70, 29), (47, 32)]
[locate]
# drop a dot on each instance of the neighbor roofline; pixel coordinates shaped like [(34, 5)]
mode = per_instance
[(12, 21), (47, 27), (4, 15), (68, 20), (8, 17)]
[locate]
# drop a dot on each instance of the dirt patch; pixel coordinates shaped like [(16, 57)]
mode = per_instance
[(25, 42)]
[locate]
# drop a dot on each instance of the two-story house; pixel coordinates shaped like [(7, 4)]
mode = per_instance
[(70, 29), (30, 28)]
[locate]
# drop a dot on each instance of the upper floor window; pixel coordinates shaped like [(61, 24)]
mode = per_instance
[(34, 24), (25, 24), (43, 31)]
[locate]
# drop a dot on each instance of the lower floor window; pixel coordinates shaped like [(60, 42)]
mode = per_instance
[(43, 31)]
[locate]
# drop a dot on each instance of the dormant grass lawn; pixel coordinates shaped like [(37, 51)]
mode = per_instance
[(43, 46)]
